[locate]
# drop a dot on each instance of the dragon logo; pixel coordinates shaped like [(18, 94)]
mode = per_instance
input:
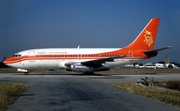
[(148, 39)]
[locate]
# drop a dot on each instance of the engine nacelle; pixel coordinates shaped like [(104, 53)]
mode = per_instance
[(80, 68), (102, 68)]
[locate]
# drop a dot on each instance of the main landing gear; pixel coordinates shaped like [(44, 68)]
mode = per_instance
[(25, 73), (88, 73)]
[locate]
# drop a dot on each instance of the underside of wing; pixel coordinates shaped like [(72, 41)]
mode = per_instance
[(91, 65), (95, 63)]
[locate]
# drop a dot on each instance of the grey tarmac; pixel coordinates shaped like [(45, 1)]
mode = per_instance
[(76, 92)]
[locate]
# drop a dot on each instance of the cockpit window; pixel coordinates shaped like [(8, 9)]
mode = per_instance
[(17, 55)]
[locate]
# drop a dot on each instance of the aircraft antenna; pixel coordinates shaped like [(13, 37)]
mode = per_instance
[(78, 47)]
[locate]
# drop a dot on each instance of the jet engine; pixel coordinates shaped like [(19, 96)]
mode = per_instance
[(78, 67)]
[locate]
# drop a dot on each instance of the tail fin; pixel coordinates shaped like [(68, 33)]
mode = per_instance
[(146, 39)]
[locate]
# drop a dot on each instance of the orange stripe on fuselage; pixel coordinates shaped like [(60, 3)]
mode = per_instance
[(138, 54)]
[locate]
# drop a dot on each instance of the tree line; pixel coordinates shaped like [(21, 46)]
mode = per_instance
[(2, 65)]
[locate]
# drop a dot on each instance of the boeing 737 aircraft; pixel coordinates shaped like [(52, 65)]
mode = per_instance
[(89, 60)]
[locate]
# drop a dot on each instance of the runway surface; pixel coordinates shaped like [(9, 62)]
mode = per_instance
[(71, 92)]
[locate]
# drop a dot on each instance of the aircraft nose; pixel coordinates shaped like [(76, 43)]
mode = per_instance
[(8, 60)]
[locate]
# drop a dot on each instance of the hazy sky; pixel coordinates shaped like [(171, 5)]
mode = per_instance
[(27, 24)]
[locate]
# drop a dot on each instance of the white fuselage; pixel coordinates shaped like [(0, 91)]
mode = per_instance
[(55, 58)]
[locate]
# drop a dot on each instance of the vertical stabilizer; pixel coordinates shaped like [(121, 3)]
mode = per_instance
[(146, 39)]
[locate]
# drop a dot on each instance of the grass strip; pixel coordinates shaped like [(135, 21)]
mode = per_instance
[(9, 92), (172, 84), (141, 71), (168, 97)]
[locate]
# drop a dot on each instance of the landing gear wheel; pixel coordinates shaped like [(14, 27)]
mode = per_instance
[(88, 73), (25, 73)]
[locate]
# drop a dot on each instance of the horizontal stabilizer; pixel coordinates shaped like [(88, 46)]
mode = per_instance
[(157, 50)]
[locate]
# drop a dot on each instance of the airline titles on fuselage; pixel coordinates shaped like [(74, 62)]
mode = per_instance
[(52, 52)]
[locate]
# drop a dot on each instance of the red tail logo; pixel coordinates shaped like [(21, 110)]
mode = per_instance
[(146, 39)]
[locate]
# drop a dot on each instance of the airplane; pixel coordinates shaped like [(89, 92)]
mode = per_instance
[(89, 60)]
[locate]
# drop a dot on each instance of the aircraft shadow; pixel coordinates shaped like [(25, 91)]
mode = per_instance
[(72, 74)]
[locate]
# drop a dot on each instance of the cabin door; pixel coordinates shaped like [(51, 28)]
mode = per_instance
[(31, 56)]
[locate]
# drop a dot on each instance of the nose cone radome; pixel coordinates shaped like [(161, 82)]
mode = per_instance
[(5, 61), (9, 60)]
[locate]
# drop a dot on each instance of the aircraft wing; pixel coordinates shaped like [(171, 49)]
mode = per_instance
[(157, 50), (95, 63), (98, 62)]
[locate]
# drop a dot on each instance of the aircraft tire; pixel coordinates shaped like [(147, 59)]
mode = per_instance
[(25, 73)]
